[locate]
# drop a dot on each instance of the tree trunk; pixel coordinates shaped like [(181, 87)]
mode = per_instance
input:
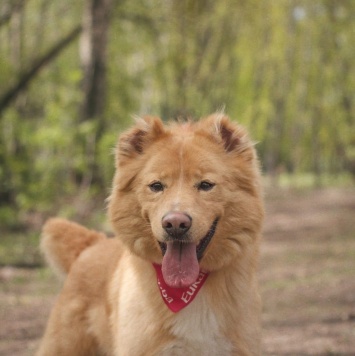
[(93, 53), (10, 10)]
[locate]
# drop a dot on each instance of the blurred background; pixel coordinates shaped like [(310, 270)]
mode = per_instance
[(74, 73)]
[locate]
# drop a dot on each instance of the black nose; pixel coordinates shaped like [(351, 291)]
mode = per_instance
[(176, 224)]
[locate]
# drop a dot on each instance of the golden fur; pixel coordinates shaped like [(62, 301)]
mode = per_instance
[(110, 303)]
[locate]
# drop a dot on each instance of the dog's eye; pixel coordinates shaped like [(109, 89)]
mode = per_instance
[(156, 187), (205, 185)]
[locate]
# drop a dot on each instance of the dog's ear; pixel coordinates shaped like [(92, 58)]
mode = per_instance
[(134, 141), (232, 136)]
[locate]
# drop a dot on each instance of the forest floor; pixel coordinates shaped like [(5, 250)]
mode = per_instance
[(307, 279)]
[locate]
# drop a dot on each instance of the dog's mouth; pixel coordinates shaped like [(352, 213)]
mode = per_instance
[(180, 264), (202, 245)]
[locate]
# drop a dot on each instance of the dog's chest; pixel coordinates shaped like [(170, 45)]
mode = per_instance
[(197, 331)]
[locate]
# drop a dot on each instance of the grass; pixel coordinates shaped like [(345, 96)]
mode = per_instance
[(310, 180), (20, 249)]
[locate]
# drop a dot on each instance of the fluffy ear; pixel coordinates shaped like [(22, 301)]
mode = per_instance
[(232, 136), (134, 141)]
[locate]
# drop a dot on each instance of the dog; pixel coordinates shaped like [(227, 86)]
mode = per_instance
[(180, 277)]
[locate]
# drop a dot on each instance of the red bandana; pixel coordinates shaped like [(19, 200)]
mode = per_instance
[(178, 298)]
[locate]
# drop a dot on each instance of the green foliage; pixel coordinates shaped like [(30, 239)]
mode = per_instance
[(284, 69)]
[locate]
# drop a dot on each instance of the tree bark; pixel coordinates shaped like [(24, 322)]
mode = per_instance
[(93, 53), (10, 11)]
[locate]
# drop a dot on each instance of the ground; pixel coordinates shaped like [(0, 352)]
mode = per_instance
[(307, 279)]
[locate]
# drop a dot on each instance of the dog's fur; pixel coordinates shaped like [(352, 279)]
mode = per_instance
[(110, 303)]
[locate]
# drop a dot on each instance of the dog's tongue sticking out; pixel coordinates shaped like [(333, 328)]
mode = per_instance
[(180, 265)]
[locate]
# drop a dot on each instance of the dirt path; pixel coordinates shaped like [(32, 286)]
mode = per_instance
[(308, 273), (307, 279)]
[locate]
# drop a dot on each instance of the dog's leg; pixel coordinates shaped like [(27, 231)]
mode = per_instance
[(67, 332)]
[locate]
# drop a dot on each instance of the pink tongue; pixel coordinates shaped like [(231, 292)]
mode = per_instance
[(180, 265)]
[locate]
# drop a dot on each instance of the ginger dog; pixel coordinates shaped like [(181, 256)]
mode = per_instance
[(180, 276)]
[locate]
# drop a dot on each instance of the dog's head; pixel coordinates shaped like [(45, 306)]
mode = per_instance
[(186, 195)]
